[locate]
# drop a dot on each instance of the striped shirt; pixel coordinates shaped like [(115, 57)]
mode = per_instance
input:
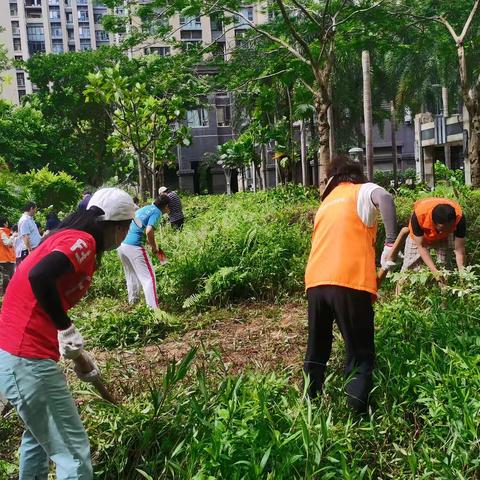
[(176, 212)]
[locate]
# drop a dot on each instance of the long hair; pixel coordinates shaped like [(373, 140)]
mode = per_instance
[(342, 169)]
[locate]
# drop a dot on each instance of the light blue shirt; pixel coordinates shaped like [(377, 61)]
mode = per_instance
[(27, 226), (149, 215)]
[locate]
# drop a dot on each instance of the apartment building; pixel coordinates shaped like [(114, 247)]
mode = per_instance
[(48, 26)]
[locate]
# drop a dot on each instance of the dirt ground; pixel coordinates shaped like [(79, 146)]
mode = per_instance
[(262, 337)]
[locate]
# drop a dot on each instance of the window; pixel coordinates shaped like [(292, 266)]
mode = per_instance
[(69, 16), (33, 3), (216, 24), (35, 32), (16, 29), (53, 2), (71, 48), (34, 14), (82, 2), (83, 15), (84, 32), (17, 44), (20, 79), (162, 51), (191, 23), (56, 30), (57, 46), (223, 115), (97, 17), (195, 35), (21, 93), (246, 12), (197, 118), (85, 44), (13, 10), (101, 36), (54, 14), (18, 58)]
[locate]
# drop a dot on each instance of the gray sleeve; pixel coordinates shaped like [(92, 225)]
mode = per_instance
[(384, 202)]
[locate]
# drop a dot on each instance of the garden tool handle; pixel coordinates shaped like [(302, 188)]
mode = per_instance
[(382, 273), (84, 364)]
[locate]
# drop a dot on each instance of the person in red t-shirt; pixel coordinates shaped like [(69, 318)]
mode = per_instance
[(35, 330)]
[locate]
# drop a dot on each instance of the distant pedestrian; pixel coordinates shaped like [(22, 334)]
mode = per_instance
[(52, 222), (86, 196), (7, 254), (136, 262), (28, 230), (175, 216)]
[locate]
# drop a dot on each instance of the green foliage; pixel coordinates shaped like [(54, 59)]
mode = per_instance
[(44, 187), (110, 324), (258, 425), (231, 247), (57, 189)]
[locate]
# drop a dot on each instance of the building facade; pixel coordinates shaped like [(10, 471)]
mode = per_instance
[(47, 26)]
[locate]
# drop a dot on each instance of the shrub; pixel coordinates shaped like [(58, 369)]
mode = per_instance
[(57, 189)]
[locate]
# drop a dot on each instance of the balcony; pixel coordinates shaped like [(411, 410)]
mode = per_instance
[(33, 3)]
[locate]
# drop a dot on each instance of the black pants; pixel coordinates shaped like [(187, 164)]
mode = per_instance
[(353, 312), (177, 224), (6, 273)]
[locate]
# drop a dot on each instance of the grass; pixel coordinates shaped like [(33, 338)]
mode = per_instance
[(201, 418)]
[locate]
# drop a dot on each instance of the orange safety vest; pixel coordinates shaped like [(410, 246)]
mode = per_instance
[(343, 247), (423, 210), (7, 254)]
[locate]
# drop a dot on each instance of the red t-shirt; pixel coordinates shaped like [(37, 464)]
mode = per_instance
[(26, 330)]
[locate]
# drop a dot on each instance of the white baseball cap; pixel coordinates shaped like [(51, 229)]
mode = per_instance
[(117, 205), (162, 190)]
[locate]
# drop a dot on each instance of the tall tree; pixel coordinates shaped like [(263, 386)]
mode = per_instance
[(308, 31)]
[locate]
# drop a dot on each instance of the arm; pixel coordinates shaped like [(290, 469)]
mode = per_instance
[(425, 255), (460, 252), (384, 202), (43, 280), (26, 241), (8, 242), (150, 233)]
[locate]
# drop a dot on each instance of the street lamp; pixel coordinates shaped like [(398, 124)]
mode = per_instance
[(228, 172)]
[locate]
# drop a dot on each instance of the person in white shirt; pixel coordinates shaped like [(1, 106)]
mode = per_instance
[(28, 230)]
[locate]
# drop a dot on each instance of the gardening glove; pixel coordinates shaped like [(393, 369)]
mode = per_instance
[(70, 342), (91, 376), (385, 263)]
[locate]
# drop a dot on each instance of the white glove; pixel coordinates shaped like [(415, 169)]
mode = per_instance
[(91, 376), (385, 263), (70, 342)]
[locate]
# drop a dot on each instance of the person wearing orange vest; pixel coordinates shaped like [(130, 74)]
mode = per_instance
[(340, 277), (439, 224), (7, 254)]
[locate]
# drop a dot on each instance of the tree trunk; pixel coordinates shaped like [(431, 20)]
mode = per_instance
[(474, 143), (160, 177), (323, 129), (393, 121), (254, 177), (263, 171), (142, 180), (154, 176), (333, 145), (303, 154), (367, 113)]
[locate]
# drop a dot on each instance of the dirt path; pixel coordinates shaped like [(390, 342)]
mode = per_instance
[(260, 337)]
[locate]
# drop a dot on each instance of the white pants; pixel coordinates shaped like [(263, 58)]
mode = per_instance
[(138, 272)]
